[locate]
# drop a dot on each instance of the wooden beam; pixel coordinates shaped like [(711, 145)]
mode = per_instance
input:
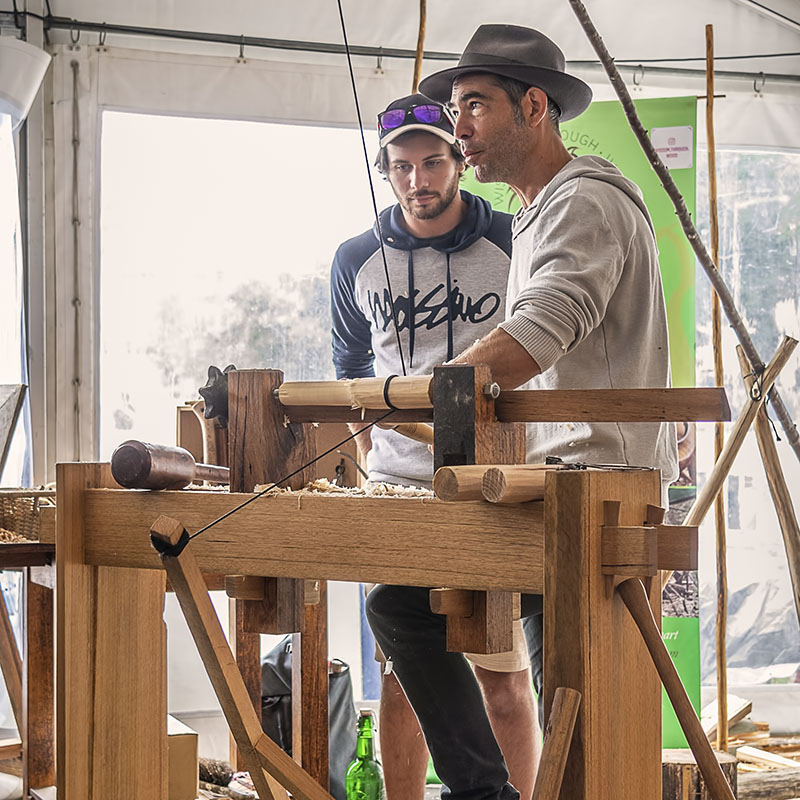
[(555, 405), (613, 405), (779, 784), (477, 545)]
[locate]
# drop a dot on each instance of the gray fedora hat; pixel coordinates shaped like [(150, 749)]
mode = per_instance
[(515, 52)]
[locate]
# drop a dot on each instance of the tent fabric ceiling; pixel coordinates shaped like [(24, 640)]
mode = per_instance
[(636, 30)]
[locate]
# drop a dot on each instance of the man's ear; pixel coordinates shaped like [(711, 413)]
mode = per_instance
[(534, 105)]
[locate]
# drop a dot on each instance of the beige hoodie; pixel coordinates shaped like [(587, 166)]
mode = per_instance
[(585, 300)]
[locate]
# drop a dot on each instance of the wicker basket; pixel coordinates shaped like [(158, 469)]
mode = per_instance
[(19, 510)]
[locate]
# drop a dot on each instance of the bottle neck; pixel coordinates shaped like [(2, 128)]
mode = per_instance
[(365, 747)]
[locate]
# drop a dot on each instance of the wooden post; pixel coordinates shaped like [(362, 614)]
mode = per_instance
[(262, 449), (111, 698), (38, 727), (591, 643), (466, 431)]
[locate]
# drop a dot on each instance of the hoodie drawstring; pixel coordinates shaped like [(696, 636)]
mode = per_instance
[(449, 312), (411, 312)]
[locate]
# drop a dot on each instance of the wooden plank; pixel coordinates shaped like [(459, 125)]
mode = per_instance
[(26, 554), (738, 708), (755, 755), (477, 545), (309, 683), (38, 728), (613, 405), (105, 666), (10, 748), (591, 644)]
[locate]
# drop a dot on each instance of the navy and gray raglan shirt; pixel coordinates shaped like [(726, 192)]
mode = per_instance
[(457, 283)]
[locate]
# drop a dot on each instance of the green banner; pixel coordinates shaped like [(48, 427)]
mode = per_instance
[(603, 130)]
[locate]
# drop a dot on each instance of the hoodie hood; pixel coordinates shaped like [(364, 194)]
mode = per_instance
[(475, 224), (592, 167)]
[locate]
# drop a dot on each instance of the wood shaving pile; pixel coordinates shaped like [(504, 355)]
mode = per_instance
[(324, 486), (11, 536)]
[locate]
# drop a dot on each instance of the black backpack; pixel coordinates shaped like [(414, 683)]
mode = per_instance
[(276, 709)]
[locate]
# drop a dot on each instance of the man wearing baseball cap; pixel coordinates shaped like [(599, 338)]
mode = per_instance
[(584, 309), (447, 255)]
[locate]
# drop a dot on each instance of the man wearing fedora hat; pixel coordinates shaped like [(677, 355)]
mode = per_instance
[(584, 309)]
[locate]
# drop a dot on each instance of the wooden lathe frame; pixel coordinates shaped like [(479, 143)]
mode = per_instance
[(111, 683)]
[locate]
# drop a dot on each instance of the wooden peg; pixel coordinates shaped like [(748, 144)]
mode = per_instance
[(611, 513), (654, 515)]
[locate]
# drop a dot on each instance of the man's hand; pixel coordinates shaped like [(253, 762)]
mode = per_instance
[(363, 437), (511, 364)]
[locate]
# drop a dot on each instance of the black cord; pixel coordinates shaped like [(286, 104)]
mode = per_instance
[(372, 192), (290, 475)]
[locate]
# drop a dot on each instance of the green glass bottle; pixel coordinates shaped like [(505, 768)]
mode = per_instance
[(364, 779)]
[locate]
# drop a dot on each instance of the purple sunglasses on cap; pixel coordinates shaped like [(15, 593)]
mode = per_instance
[(428, 114)]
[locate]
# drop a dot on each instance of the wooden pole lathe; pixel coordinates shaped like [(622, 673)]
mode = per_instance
[(270, 768)]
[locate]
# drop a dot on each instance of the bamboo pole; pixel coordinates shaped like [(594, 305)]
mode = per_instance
[(781, 496), (721, 469), (719, 428), (726, 299), (423, 15), (413, 391), (634, 596)]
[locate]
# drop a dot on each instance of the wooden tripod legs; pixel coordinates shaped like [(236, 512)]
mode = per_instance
[(271, 769), (634, 596)]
